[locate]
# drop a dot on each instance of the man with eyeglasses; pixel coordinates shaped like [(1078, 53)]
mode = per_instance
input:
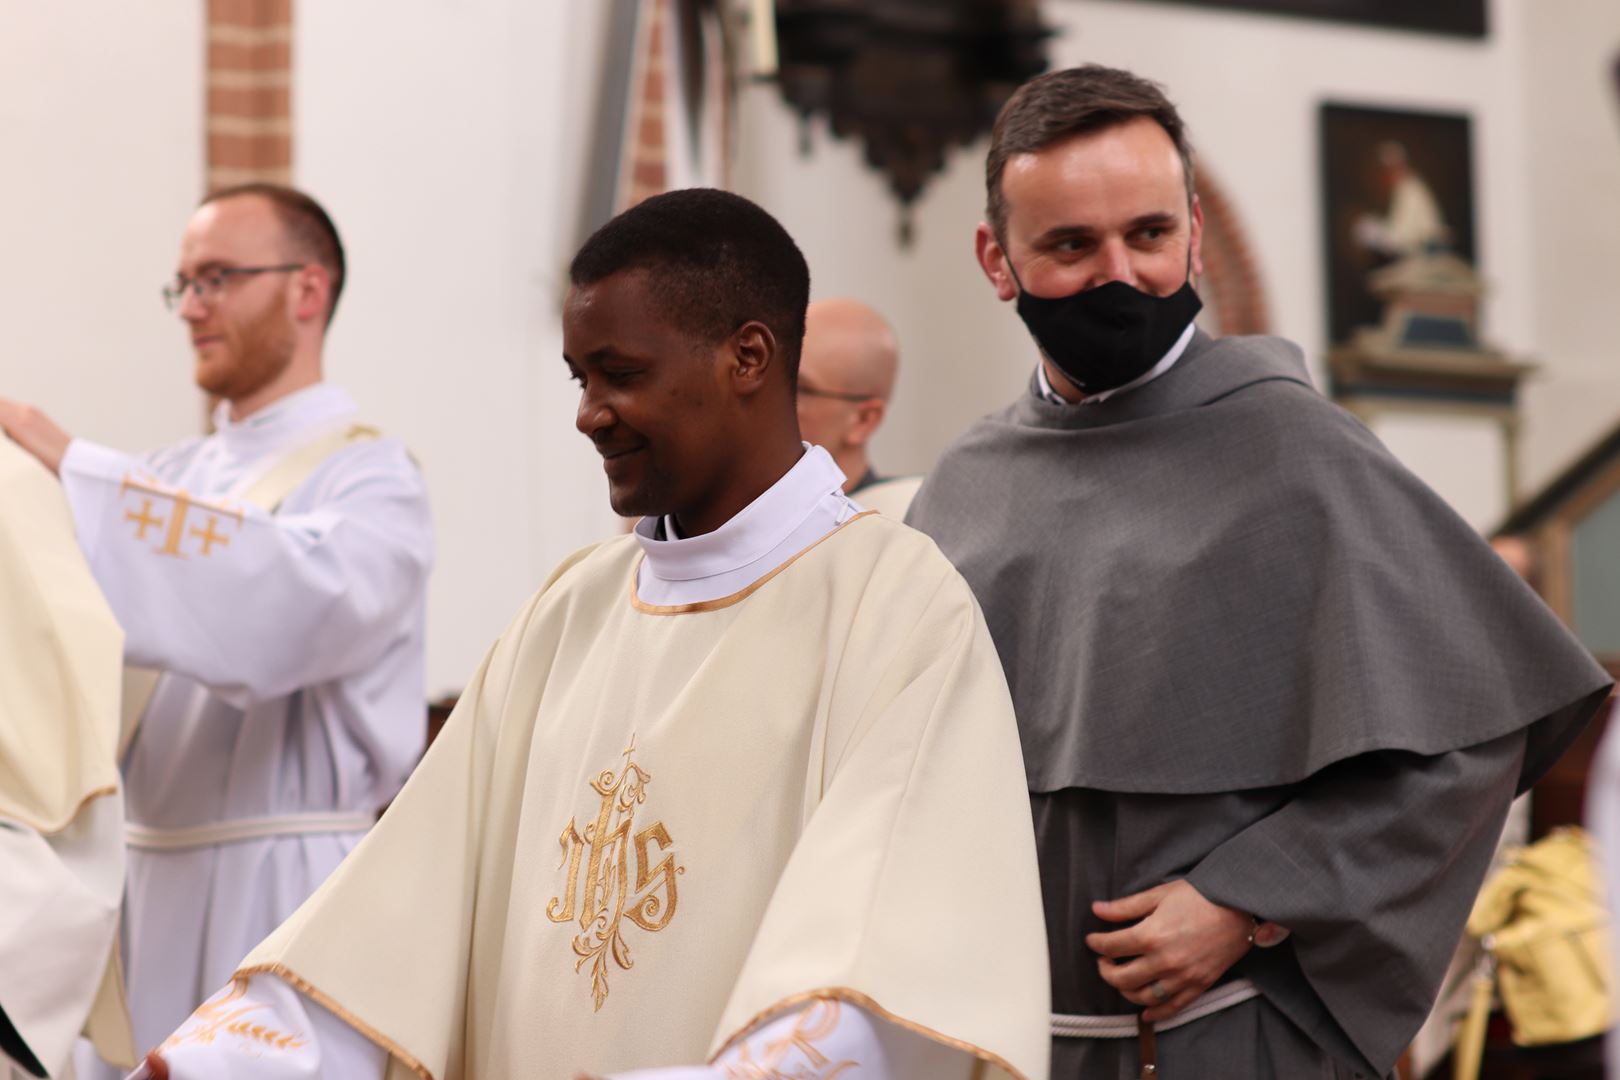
[(270, 576), (846, 375)]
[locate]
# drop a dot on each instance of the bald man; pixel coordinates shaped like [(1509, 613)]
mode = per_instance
[(846, 374)]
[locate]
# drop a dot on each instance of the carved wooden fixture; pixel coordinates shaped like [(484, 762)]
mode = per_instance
[(911, 79)]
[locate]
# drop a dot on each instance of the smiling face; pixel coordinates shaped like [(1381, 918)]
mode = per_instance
[(1101, 206), (660, 406), (244, 338)]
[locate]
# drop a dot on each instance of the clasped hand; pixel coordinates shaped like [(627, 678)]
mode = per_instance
[(1177, 950)]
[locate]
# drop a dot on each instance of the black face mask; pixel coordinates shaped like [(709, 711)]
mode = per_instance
[(1105, 337)]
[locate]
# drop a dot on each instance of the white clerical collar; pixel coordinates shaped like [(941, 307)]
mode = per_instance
[(1166, 362), (300, 410), (757, 531)]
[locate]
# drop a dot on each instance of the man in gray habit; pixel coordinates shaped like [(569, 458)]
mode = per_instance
[(1261, 671)]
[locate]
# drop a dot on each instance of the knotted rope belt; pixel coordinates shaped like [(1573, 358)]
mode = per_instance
[(1123, 1025), (149, 838), (1129, 1025)]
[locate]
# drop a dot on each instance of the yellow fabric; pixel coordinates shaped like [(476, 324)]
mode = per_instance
[(1543, 921), (62, 650), (815, 789)]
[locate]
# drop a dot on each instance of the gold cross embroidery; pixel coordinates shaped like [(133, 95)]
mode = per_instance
[(174, 526), (143, 520), (209, 537)]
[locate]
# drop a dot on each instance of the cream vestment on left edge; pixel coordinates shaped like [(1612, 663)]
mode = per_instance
[(61, 813)]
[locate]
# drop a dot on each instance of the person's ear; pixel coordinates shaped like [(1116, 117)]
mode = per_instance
[(868, 418), (753, 355), (312, 287), (993, 261)]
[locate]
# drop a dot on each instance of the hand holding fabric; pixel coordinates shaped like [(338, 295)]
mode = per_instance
[(35, 432), (1177, 950)]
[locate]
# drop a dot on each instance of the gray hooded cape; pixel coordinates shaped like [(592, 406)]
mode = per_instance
[(1250, 649)]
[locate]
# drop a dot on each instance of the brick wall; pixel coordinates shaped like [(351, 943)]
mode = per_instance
[(644, 170), (249, 113), (1231, 277)]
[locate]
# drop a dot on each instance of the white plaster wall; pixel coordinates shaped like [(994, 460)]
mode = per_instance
[(1572, 147), (101, 107), (445, 139), (1250, 87), (1466, 455)]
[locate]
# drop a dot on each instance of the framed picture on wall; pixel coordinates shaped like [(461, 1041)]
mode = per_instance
[(1394, 184), (1464, 18)]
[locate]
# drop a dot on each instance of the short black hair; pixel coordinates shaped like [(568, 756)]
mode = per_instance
[(308, 226), (716, 262)]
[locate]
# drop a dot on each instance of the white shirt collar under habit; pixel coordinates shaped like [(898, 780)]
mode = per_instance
[(1166, 362), (757, 530)]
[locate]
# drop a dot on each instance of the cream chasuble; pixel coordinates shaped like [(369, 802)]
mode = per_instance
[(649, 827), (61, 813)]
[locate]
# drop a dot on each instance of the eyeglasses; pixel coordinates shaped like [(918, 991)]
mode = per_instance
[(839, 395), (209, 285)]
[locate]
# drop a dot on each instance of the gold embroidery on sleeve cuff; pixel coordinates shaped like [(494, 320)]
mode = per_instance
[(299, 983), (855, 997), (816, 1022)]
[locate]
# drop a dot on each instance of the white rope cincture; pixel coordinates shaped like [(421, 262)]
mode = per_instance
[(149, 838), (1123, 1026)]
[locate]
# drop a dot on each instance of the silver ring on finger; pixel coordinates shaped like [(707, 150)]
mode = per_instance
[(1160, 995)]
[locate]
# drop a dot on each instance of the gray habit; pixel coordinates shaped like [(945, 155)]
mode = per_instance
[(1249, 649)]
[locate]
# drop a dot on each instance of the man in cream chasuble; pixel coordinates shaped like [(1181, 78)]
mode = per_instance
[(737, 795)]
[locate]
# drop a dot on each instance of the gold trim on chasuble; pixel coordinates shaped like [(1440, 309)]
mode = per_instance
[(736, 597), (608, 897)]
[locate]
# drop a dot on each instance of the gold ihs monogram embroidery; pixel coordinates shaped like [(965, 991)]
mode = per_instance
[(608, 895)]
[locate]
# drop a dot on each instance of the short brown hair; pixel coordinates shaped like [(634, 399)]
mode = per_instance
[(1054, 106), (307, 224)]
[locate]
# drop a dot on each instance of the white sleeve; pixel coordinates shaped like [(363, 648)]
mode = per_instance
[(254, 605), (826, 1037), (261, 1028)]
